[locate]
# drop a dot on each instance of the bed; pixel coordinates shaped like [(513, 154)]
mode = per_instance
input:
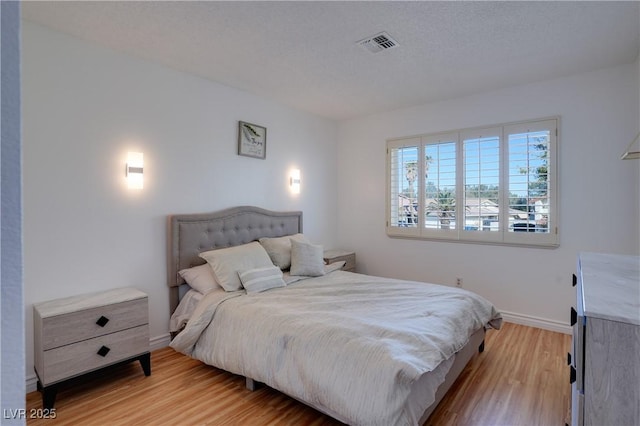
[(362, 349)]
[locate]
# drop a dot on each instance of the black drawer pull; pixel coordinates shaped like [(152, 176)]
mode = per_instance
[(102, 321), (103, 351), (574, 317), (575, 280), (572, 375), (568, 358)]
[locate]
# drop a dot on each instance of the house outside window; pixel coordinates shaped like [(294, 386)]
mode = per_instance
[(493, 184)]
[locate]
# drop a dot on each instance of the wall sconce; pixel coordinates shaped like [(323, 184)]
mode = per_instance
[(134, 170), (294, 181)]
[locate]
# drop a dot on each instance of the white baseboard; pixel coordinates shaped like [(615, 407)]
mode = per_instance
[(32, 383), (531, 321), (158, 342)]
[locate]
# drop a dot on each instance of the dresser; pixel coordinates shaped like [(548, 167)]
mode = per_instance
[(80, 334), (337, 255), (605, 351)]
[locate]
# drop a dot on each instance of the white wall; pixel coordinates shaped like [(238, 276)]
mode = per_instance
[(599, 194), (86, 106), (637, 65), (12, 355)]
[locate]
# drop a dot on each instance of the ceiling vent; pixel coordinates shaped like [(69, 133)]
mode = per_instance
[(378, 42)]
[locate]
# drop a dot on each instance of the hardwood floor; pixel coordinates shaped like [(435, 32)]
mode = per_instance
[(520, 379)]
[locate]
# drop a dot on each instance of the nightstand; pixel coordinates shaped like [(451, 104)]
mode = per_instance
[(336, 255), (81, 334)]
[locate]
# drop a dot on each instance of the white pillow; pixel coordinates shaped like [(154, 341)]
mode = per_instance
[(227, 262), (279, 249), (261, 279), (306, 259), (200, 278)]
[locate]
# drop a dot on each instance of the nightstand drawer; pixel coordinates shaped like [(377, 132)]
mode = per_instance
[(73, 327), (78, 358)]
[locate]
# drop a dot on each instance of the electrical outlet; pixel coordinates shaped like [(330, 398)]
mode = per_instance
[(458, 282)]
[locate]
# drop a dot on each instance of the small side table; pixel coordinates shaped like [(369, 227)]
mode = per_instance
[(337, 255), (81, 334)]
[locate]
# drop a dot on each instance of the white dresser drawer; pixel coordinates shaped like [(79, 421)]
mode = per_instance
[(78, 358), (73, 327)]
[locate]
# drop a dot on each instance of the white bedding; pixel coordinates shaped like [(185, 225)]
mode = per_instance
[(185, 309), (348, 344)]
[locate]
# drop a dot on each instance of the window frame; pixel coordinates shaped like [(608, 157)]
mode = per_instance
[(504, 236)]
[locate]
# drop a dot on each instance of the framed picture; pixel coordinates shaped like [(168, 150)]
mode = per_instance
[(252, 140)]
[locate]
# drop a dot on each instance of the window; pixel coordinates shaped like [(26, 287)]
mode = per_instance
[(493, 185)]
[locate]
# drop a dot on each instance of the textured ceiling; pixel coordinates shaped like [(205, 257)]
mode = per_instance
[(304, 54)]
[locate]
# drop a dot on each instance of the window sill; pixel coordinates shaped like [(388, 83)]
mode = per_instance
[(448, 239)]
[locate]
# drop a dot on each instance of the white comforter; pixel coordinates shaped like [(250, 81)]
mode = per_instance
[(351, 345)]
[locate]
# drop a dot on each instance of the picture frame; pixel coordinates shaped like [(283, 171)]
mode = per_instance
[(252, 140)]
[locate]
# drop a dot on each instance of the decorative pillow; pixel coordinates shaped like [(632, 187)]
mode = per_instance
[(306, 259), (261, 279), (200, 278), (279, 249), (227, 262)]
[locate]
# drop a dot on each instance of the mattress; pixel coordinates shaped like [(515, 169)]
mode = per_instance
[(351, 345)]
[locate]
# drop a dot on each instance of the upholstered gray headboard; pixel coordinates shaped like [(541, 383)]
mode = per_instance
[(191, 234)]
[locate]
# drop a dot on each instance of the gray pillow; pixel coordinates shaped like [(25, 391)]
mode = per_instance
[(279, 249), (306, 259)]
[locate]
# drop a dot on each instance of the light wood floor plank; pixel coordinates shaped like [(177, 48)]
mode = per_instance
[(520, 379)]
